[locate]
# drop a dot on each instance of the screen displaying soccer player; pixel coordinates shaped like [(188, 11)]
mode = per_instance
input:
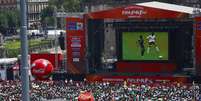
[(145, 45)]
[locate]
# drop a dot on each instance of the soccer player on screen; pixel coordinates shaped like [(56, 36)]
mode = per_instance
[(152, 42), (141, 45)]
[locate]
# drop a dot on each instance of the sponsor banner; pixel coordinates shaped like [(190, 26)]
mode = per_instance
[(75, 45), (136, 79), (74, 26), (197, 27), (135, 11), (143, 67)]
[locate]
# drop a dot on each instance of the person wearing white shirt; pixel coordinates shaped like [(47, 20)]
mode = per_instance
[(152, 42)]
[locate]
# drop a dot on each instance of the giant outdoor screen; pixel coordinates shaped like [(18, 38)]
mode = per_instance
[(145, 45)]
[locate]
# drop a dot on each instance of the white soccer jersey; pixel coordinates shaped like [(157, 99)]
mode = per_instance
[(151, 38)]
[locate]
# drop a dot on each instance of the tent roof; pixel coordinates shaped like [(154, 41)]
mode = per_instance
[(167, 6), (7, 60)]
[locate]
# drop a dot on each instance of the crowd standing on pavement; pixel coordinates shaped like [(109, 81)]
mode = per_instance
[(102, 91)]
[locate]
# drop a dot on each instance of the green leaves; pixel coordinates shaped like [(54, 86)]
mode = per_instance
[(47, 15), (47, 18), (8, 19), (3, 20), (72, 6), (68, 5)]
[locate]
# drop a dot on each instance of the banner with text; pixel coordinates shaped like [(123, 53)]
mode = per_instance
[(136, 12), (75, 45)]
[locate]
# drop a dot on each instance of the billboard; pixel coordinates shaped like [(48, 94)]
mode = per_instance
[(75, 45), (145, 46)]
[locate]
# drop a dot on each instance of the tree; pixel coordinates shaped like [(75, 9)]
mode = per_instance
[(47, 18), (13, 18), (3, 23), (9, 21), (72, 6), (68, 5), (47, 14)]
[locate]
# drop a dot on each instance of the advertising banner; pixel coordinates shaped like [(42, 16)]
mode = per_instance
[(136, 12), (136, 79), (75, 45)]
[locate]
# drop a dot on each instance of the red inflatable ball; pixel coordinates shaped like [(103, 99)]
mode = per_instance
[(86, 96), (41, 69)]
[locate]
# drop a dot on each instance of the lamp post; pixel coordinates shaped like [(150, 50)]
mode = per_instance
[(24, 51), (55, 32)]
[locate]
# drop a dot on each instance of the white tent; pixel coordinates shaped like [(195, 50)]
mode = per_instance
[(167, 6), (8, 60)]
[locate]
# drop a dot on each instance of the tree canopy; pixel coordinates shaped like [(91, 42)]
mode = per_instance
[(68, 5), (9, 20), (47, 15)]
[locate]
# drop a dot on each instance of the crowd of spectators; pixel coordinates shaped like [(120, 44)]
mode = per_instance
[(102, 91)]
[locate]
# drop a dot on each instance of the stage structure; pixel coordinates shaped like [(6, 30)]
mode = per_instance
[(133, 39), (113, 37)]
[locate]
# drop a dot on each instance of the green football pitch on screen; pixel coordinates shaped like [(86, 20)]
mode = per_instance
[(145, 45)]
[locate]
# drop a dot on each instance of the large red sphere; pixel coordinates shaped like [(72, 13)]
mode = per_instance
[(86, 96), (41, 69)]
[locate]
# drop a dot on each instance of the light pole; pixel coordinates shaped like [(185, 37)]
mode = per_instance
[(24, 51), (55, 32), (65, 51)]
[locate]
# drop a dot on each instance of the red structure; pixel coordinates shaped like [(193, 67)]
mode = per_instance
[(75, 45), (198, 45), (41, 69)]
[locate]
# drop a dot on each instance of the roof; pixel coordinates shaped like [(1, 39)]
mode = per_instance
[(7, 60), (167, 6)]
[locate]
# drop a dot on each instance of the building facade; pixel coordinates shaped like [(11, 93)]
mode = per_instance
[(34, 9), (8, 4)]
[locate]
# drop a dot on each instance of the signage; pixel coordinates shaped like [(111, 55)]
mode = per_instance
[(75, 45), (75, 26), (134, 11)]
